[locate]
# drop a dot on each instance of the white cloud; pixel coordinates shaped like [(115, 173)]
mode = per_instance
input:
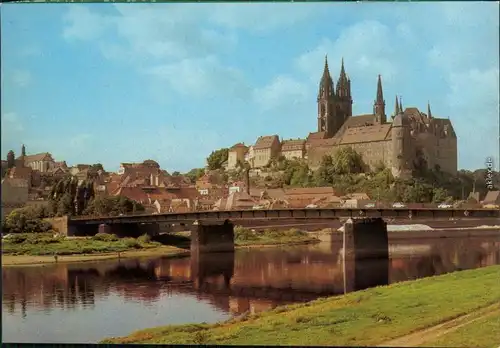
[(366, 48), (282, 91), (473, 99), (201, 77), (21, 78), (12, 127), (262, 17), (83, 24)]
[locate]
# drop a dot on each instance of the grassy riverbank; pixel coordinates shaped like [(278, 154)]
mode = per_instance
[(481, 332), (39, 248), (361, 318)]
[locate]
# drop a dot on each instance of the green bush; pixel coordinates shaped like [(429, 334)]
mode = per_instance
[(131, 243), (244, 234), (17, 238), (294, 232), (144, 239), (105, 237)]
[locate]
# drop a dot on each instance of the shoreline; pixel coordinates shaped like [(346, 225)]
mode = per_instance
[(163, 251), (384, 315)]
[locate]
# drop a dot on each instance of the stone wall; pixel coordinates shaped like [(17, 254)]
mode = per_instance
[(438, 150), (372, 153), (59, 224)]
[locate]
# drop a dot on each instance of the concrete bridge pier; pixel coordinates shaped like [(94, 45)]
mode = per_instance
[(212, 236), (365, 253)]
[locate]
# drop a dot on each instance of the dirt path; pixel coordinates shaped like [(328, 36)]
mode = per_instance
[(420, 337)]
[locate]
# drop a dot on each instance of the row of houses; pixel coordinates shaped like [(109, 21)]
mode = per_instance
[(145, 182)]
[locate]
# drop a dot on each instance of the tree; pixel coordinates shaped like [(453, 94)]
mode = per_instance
[(26, 220), (217, 158), (194, 174), (105, 206), (348, 161), (325, 173), (439, 195), (176, 173), (379, 167), (11, 159)]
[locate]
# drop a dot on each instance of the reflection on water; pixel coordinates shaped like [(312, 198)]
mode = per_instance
[(89, 301)]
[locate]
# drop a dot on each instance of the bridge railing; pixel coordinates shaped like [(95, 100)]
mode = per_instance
[(321, 213)]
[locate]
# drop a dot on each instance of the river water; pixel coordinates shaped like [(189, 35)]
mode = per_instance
[(86, 302)]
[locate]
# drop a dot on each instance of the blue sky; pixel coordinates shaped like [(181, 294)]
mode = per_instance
[(115, 83)]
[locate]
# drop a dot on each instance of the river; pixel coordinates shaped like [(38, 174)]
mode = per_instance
[(86, 302)]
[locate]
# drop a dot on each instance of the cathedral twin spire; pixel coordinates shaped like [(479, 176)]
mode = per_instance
[(326, 86)]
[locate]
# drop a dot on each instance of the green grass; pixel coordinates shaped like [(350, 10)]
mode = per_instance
[(480, 333), (246, 237), (46, 244), (361, 318)]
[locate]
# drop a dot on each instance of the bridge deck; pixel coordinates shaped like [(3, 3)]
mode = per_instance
[(308, 214)]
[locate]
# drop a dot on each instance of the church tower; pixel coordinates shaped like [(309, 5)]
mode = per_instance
[(344, 95), (326, 103), (379, 104)]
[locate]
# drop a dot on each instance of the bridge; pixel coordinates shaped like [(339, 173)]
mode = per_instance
[(307, 214), (364, 236)]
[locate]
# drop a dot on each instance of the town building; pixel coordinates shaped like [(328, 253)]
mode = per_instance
[(236, 156), (43, 162), (401, 141), (293, 149)]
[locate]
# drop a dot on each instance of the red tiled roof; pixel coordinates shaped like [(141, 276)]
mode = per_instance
[(265, 142), (292, 144), (133, 193), (37, 157), (239, 145)]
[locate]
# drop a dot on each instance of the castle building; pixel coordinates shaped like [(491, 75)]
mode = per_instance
[(406, 139)]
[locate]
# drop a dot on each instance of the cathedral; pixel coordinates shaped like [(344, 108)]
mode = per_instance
[(405, 139)]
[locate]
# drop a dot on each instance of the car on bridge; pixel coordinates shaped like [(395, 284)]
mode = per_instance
[(398, 205), (445, 206)]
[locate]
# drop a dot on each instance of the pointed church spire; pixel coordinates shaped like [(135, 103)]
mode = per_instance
[(400, 105), (380, 94), (429, 114), (343, 88), (326, 71), (342, 70), (326, 83), (396, 107), (379, 105)]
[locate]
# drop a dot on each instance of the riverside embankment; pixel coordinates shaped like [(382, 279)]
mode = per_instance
[(364, 318), (33, 249), (41, 304)]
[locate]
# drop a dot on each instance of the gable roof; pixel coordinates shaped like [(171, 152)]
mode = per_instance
[(238, 145), (44, 156), (323, 191), (265, 142), (316, 136), (292, 144), (365, 134)]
